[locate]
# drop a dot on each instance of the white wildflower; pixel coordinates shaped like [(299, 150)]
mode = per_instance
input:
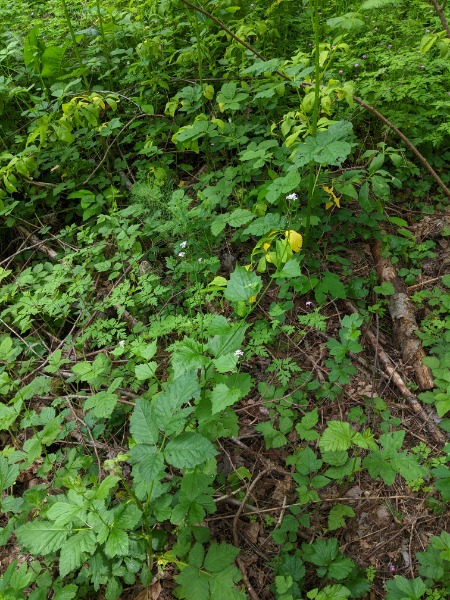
[(183, 244), (200, 259), (181, 254), (292, 196), (238, 353), (122, 343)]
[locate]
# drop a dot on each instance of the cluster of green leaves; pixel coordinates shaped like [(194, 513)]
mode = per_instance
[(107, 121)]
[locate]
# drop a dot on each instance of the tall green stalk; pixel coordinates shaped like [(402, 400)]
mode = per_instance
[(104, 45), (74, 41), (314, 5)]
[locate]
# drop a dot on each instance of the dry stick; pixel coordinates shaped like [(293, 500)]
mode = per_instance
[(434, 430), (239, 561), (403, 137), (359, 101)]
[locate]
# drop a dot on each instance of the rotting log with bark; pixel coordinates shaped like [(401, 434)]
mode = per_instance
[(403, 319)]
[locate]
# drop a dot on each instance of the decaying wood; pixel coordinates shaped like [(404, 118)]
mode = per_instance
[(431, 226), (412, 401), (404, 321)]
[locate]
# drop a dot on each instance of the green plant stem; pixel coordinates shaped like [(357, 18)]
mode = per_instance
[(314, 4), (305, 84), (104, 45), (199, 51), (75, 44)]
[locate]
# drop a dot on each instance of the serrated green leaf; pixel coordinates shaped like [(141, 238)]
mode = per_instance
[(263, 225), (239, 217), (103, 403), (337, 436), (243, 285), (149, 460), (8, 474), (401, 588), (194, 584), (331, 285), (73, 551), (41, 537), (63, 513), (143, 426), (327, 148), (446, 280), (263, 66), (282, 186), (68, 592), (188, 450), (336, 517), (223, 396), (219, 557), (145, 371), (117, 543)]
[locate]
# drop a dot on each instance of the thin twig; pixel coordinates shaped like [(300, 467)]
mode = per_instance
[(240, 562)]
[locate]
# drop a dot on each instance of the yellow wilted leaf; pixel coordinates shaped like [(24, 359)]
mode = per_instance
[(295, 240), (336, 200), (252, 299), (266, 246)]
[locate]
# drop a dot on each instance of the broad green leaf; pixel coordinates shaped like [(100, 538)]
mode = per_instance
[(145, 371), (243, 285), (63, 513), (68, 592), (41, 537), (149, 460), (332, 592), (223, 396), (102, 404), (73, 552), (378, 4), (117, 543), (194, 583), (262, 225), (263, 66), (230, 340), (189, 450), (8, 474), (401, 588), (226, 363), (328, 148), (337, 436), (239, 217), (188, 355), (143, 426), (105, 486), (331, 285), (282, 186), (219, 557), (336, 517)]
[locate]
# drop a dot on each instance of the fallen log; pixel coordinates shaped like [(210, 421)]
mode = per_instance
[(403, 319)]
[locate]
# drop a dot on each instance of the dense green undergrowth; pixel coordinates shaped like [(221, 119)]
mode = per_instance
[(189, 207)]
